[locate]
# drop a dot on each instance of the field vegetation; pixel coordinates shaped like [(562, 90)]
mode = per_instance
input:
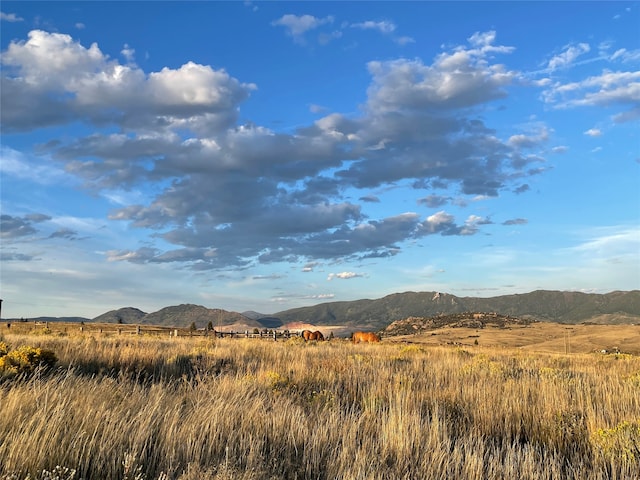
[(154, 407)]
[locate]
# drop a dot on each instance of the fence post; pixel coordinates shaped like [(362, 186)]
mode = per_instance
[(274, 336), (137, 329), (175, 333)]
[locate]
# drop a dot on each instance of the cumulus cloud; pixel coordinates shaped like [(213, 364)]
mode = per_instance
[(12, 227), (10, 17), (383, 26), (128, 53), (459, 79), (325, 38), (234, 195), (594, 132), (404, 40), (344, 275), (440, 222), (51, 79), (434, 201), (297, 25)]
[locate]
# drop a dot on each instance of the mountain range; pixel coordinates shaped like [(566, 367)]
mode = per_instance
[(541, 305)]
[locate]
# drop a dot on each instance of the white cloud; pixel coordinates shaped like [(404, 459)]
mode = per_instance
[(611, 241), (594, 132), (179, 141), (313, 108), (568, 56), (128, 53), (297, 25), (10, 17), (537, 135), (457, 79), (625, 55), (52, 79), (384, 26), (325, 38), (52, 59), (344, 275), (481, 39), (404, 40), (610, 89)]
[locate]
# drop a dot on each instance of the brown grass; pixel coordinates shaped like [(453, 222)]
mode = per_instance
[(540, 337), (118, 406)]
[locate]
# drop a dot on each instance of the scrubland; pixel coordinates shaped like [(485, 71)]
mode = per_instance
[(127, 406)]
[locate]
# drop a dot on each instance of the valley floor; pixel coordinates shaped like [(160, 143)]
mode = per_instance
[(539, 337)]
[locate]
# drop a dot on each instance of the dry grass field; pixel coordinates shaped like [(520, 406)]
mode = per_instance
[(125, 406), (539, 337)]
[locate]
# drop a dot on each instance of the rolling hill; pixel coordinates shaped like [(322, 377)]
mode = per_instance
[(187, 313), (178, 316), (541, 305), (122, 315)]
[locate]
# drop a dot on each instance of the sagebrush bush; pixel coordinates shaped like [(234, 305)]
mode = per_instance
[(24, 359)]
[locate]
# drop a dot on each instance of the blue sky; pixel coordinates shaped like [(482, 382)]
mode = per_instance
[(269, 155)]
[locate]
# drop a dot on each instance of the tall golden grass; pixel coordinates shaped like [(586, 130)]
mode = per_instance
[(143, 407)]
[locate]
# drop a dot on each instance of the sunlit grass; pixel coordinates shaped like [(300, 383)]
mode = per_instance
[(121, 406)]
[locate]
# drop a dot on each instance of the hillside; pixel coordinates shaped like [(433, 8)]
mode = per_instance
[(615, 308), (122, 315), (178, 316), (416, 325), (184, 315), (540, 305)]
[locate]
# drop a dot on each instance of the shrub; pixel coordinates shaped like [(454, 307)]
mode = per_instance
[(621, 442), (24, 359)]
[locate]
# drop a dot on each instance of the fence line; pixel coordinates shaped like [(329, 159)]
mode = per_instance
[(132, 329)]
